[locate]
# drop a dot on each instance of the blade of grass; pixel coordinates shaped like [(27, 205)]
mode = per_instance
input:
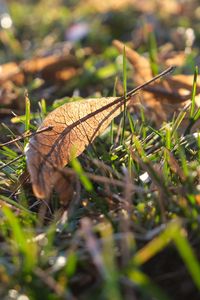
[(183, 159), (176, 124), (156, 245), (187, 254), (125, 91), (71, 263), (27, 113), (22, 240), (198, 143), (43, 108), (111, 281), (80, 172), (28, 116), (194, 90), (143, 129), (147, 286), (173, 232), (168, 136), (113, 122), (131, 122), (153, 53)]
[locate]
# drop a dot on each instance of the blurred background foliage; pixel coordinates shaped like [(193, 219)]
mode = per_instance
[(35, 25), (86, 29)]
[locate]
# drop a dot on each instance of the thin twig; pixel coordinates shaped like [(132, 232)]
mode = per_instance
[(142, 86), (25, 135)]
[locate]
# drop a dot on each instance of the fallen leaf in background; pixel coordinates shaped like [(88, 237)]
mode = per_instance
[(11, 72), (49, 66), (141, 64), (168, 57), (166, 97), (45, 66), (8, 94), (52, 69)]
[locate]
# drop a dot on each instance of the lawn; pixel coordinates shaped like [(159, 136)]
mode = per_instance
[(99, 150)]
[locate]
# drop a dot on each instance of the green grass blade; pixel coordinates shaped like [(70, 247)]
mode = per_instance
[(27, 113), (112, 290), (43, 108), (175, 233), (113, 122), (176, 124), (71, 264), (80, 172), (23, 241), (27, 117), (187, 254), (153, 53), (156, 245), (198, 143), (168, 137), (147, 286), (125, 91), (194, 90)]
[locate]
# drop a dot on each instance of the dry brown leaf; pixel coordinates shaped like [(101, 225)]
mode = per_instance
[(8, 94), (66, 74), (52, 69), (74, 126), (11, 72), (47, 67), (164, 98)]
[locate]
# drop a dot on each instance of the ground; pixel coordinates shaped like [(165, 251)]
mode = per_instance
[(122, 222)]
